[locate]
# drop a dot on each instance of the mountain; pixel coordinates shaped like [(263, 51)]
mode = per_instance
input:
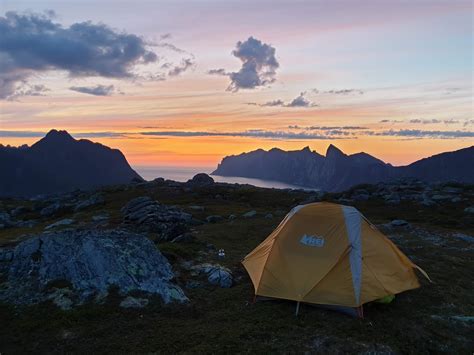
[(337, 171), (59, 163)]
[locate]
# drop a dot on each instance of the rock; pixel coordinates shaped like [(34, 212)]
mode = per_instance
[(392, 199), (456, 199), (268, 216), (213, 219), (452, 190), (464, 237), (201, 179), (100, 218), (133, 302), (183, 238), (19, 210), (62, 222), (51, 209), (250, 214), (441, 197), (91, 262), (6, 255), (5, 220), (469, 209), (221, 277), (27, 224), (61, 297), (147, 215), (94, 200), (399, 223), (465, 319), (360, 197), (427, 202), (216, 274)]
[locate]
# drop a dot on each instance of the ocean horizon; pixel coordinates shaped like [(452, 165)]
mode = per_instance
[(183, 174)]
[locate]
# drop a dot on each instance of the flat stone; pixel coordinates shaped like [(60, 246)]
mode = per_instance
[(133, 302), (469, 209), (62, 222), (250, 214), (399, 223)]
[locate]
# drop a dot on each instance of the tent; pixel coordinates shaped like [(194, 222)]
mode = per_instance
[(329, 254)]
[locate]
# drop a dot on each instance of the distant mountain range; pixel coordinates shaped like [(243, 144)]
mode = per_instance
[(60, 163), (338, 171)]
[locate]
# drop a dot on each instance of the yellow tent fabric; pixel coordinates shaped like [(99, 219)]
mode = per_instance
[(329, 254)]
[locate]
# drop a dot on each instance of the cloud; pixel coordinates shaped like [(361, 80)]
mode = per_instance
[(424, 121), (339, 92), (416, 133), (259, 65), (181, 68), (300, 101), (220, 71), (24, 89), (451, 121), (327, 128), (98, 90), (256, 133), (33, 43)]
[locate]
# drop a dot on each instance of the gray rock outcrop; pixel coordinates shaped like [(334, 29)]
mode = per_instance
[(89, 262), (148, 215)]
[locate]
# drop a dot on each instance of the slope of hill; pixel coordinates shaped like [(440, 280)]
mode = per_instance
[(338, 171), (59, 163)]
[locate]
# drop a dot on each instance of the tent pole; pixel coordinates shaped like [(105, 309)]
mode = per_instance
[(297, 308)]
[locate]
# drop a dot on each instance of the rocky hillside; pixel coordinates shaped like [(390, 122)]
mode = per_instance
[(338, 171), (136, 268), (59, 163)]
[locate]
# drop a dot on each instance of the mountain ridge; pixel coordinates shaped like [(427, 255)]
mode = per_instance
[(337, 171), (59, 163)]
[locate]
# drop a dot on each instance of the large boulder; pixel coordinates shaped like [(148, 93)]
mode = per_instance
[(148, 215), (89, 263), (201, 179)]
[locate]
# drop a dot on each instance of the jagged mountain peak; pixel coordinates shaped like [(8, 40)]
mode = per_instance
[(334, 152)]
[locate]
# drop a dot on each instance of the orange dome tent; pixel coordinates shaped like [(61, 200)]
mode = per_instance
[(329, 254)]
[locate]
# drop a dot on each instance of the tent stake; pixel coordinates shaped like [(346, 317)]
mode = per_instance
[(297, 308)]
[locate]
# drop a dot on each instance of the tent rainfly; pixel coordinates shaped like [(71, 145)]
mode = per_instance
[(329, 254)]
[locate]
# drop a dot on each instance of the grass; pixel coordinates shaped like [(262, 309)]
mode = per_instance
[(225, 320)]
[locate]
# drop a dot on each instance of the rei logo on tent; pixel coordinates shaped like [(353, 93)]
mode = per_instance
[(312, 241)]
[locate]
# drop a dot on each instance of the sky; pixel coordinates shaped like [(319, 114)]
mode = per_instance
[(185, 83)]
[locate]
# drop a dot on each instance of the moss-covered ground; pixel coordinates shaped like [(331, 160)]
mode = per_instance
[(218, 320)]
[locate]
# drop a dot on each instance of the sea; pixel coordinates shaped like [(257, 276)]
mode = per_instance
[(183, 174)]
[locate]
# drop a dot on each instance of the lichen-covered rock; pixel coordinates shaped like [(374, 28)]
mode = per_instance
[(147, 215), (91, 262), (216, 274), (134, 302)]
